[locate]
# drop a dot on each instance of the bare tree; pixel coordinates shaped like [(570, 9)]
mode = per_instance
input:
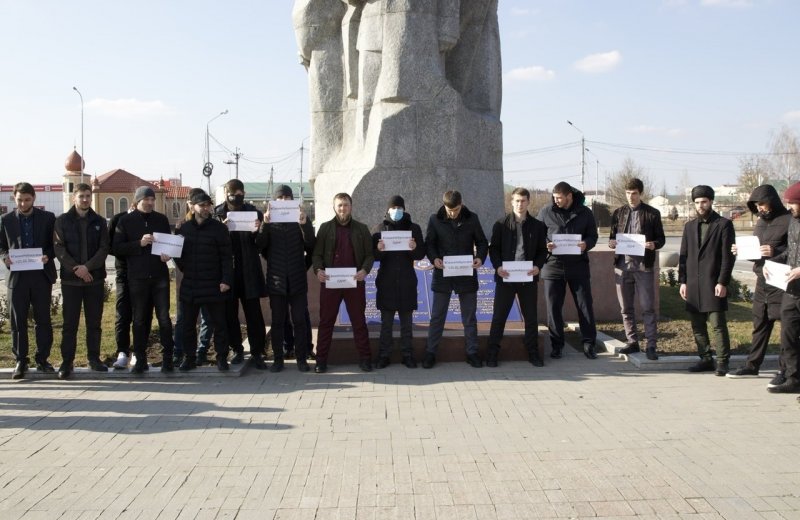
[(785, 146), (754, 170), (615, 192)]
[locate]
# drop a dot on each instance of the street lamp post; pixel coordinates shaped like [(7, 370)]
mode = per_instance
[(583, 155), (83, 157), (208, 146)]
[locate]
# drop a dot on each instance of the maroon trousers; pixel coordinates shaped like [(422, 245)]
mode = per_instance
[(355, 300)]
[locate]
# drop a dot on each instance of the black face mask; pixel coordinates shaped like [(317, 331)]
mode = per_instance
[(236, 200), (766, 215)]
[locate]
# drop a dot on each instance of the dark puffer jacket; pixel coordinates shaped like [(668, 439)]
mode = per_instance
[(141, 263), (772, 230), (396, 282), (462, 236), (68, 246), (575, 220), (248, 275), (206, 261), (286, 246)]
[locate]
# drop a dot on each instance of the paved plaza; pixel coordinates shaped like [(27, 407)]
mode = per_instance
[(576, 439)]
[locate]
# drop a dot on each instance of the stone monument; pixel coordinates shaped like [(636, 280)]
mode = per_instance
[(405, 99)]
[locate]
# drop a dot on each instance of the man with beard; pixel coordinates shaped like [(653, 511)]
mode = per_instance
[(771, 229), (704, 272)]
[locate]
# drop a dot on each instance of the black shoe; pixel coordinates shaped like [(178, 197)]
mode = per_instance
[(428, 361), (321, 367), (20, 369), (491, 359), (474, 361), (589, 351), (222, 363), (188, 364), (383, 362), (97, 365), (237, 359), (202, 358), (177, 360), (365, 365), (409, 362), (790, 386), (704, 365), (651, 354), (535, 360), (64, 371), (631, 348), (556, 352), (45, 366), (778, 380), (745, 371), (277, 366), (310, 352), (302, 365), (257, 360), (167, 365), (722, 369), (288, 353), (140, 367)]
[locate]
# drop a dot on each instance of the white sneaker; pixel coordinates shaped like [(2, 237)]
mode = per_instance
[(121, 362), (133, 360)]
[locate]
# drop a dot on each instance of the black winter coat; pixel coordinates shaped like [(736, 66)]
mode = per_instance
[(702, 266), (286, 246), (248, 275), (504, 242), (120, 266), (68, 246), (576, 220), (206, 261), (462, 236), (396, 282), (652, 229), (141, 263)]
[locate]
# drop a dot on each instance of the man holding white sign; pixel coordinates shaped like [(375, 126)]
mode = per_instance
[(342, 242), (518, 238), (148, 276), (27, 228), (636, 234), (568, 215), (454, 231)]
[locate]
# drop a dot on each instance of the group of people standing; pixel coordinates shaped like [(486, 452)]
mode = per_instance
[(221, 269)]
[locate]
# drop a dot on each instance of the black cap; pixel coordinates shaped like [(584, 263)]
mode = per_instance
[(200, 197), (143, 192), (703, 191), (283, 191), (396, 200)]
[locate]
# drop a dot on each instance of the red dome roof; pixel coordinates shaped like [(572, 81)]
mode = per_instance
[(74, 162)]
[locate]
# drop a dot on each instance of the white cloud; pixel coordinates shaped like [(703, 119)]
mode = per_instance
[(129, 108), (600, 62), (522, 11), (535, 73), (727, 3), (657, 130), (793, 115)]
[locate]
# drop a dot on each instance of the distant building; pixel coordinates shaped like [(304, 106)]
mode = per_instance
[(48, 197)]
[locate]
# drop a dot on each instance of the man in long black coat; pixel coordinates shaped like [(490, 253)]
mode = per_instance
[(704, 272)]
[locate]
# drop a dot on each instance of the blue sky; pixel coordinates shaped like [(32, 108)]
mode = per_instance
[(634, 76)]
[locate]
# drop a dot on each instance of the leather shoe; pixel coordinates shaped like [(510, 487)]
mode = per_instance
[(474, 361), (321, 367), (44, 366), (651, 354), (365, 365), (302, 365), (383, 362), (257, 360), (222, 364), (238, 357), (97, 365), (535, 360), (141, 366), (188, 364), (631, 348), (20, 369), (409, 362), (704, 365), (277, 366), (556, 352), (167, 365), (491, 360), (589, 351), (202, 358), (428, 361), (64, 371), (722, 369)]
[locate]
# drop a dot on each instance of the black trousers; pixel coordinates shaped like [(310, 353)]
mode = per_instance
[(762, 330), (406, 332), (145, 295), (555, 292), (216, 313), (256, 330), (124, 317), (90, 297), (32, 289), (790, 337), (288, 331), (503, 301), (296, 306)]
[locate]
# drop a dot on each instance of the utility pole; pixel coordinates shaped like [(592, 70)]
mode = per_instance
[(583, 155), (302, 149), (236, 154), (271, 188)]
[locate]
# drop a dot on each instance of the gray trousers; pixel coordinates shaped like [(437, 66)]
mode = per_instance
[(629, 284)]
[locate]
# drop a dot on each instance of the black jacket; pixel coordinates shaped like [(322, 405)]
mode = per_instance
[(120, 266), (248, 274), (141, 263), (68, 246), (772, 230), (652, 229), (702, 266), (575, 220), (287, 247), (462, 236), (396, 283), (504, 242), (10, 238), (206, 261)]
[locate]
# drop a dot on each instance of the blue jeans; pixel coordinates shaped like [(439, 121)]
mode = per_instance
[(469, 305)]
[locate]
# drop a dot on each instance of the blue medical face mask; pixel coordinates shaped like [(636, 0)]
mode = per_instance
[(395, 213)]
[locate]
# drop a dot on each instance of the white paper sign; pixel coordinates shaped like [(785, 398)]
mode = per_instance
[(518, 271), (777, 274), (341, 277), (631, 244), (748, 248), (457, 265), (170, 245), (243, 221), (26, 259), (566, 244), (396, 240), (284, 211)]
